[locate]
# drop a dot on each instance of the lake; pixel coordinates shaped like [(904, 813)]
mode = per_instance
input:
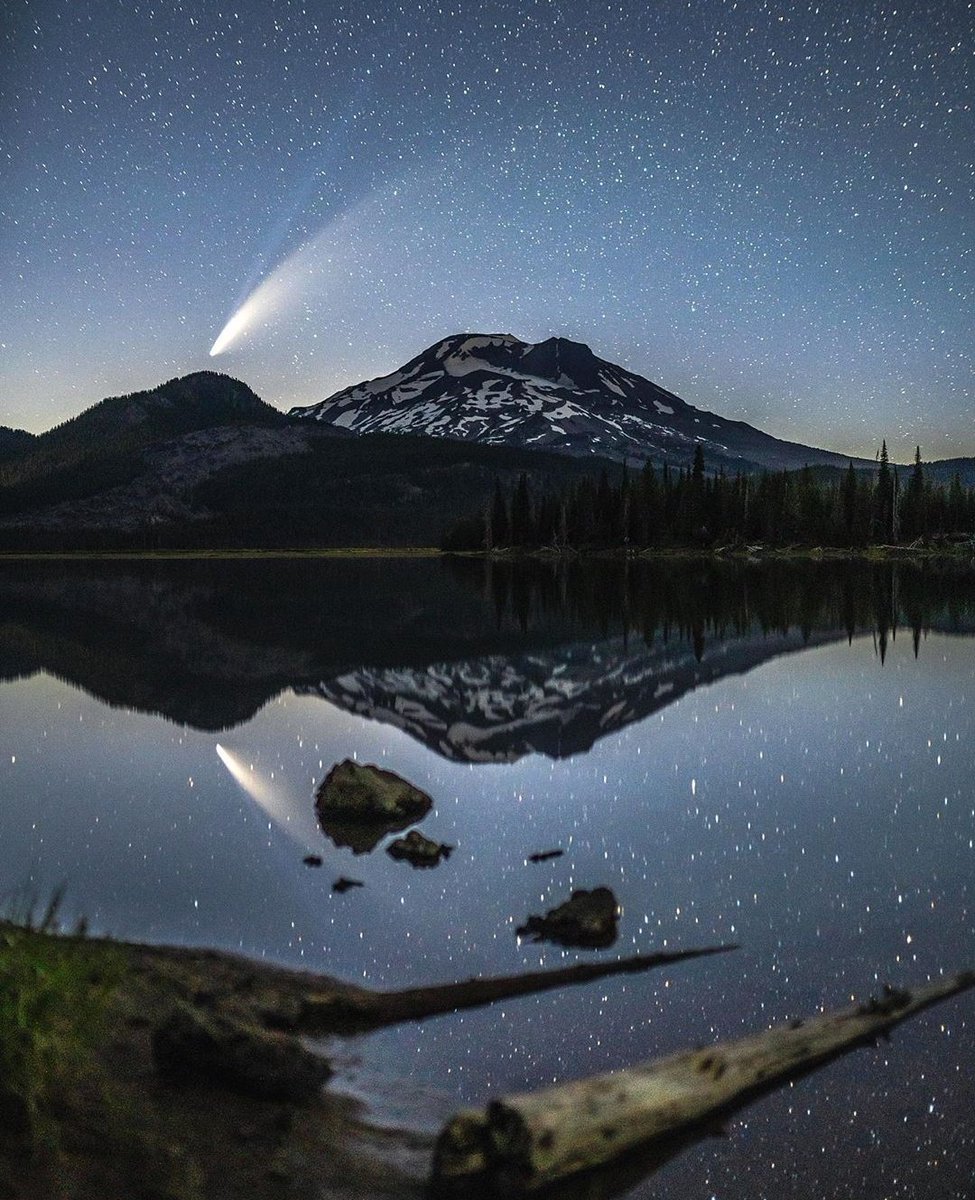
[(769, 754)]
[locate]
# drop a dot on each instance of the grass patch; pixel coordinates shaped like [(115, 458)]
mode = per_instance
[(55, 994)]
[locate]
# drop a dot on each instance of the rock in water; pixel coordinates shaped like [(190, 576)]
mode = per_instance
[(354, 792), (342, 885), (586, 919), (361, 837), (418, 850)]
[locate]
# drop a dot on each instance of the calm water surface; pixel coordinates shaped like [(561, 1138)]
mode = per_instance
[(779, 757)]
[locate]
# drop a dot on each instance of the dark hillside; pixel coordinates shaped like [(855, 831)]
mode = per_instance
[(120, 425), (14, 443)]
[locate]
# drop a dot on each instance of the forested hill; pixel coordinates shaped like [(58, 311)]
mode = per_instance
[(123, 423), (14, 442), (282, 487), (102, 447)]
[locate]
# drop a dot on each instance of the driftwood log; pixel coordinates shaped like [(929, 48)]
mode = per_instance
[(300, 1002), (527, 1142), (354, 1010)]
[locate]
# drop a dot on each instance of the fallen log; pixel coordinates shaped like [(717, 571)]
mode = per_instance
[(527, 1142), (354, 1011)]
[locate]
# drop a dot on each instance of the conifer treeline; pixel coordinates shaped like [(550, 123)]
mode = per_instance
[(692, 508)]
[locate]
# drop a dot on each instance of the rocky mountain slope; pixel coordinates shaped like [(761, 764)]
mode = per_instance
[(270, 486), (85, 460), (554, 395)]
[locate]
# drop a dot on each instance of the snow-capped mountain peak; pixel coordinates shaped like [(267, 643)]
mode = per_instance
[(554, 395)]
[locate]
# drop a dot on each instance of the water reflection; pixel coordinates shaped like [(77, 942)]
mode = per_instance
[(481, 662), (812, 802)]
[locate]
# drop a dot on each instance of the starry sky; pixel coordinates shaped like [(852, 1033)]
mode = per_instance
[(765, 207)]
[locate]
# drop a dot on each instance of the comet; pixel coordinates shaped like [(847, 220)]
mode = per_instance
[(319, 262), (265, 299), (271, 800), (348, 256), (259, 301)]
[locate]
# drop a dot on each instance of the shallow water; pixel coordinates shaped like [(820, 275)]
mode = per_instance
[(777, 757)]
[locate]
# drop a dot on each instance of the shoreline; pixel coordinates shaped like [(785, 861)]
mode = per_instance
[(180, 1073), (113, 1122), (203, 1069), (756, 553)]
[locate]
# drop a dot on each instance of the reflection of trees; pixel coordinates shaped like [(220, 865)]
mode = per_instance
[(694, 601)]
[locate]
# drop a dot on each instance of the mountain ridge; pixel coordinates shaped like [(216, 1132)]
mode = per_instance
[(556, 395), (202, 460)]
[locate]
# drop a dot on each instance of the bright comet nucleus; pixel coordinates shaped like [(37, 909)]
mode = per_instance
[(282, 287), (265, 299), (235, 326)]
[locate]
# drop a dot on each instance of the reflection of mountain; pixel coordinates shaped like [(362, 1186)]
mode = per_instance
[(480, 662), (556, 702), (208, 643)]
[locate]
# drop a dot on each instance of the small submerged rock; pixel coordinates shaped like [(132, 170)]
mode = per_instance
[(587, 919), (544, 855), (418, 850), (342, 885), (313, 860)]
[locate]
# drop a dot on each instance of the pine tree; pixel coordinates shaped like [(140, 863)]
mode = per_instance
[(956, 505), (694, 509), (913, 523), (500, 525), (883, 505), (522, 525), (605, 505), (849, 502), (650, 506)]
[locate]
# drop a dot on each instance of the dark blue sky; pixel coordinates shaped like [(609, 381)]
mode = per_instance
[(767, 208)]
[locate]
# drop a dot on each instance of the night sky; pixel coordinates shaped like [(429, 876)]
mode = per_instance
[(767, 208)]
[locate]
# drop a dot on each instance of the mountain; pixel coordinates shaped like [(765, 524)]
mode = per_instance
[(198, 401), (14, 442), (102, 447), (554, 702), (554, 395), (944, 470)]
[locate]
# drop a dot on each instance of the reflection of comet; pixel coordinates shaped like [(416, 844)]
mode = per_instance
[(282, 811)]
